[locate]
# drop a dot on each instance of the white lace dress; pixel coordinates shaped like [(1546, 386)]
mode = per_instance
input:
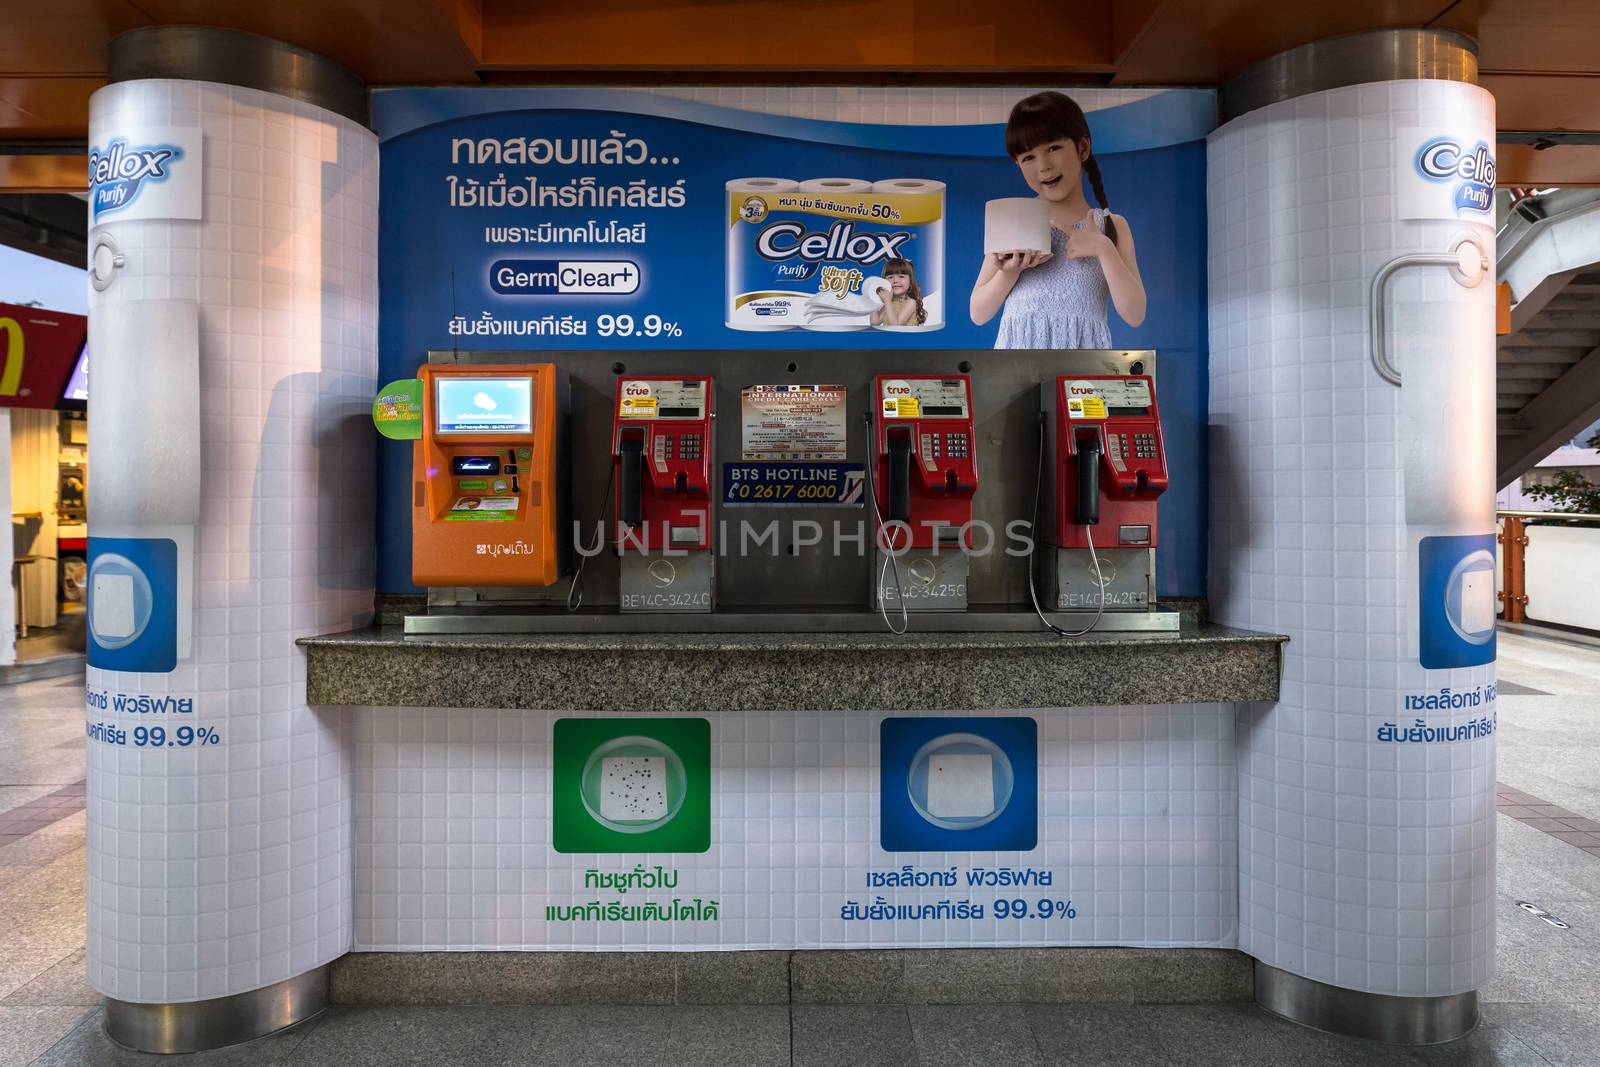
[(1062, 302)]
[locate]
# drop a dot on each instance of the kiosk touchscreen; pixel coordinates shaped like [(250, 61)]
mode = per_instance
[(486, 497)]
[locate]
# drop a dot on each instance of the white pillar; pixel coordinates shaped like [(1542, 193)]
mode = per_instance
[(1365, 863), (222, 868)]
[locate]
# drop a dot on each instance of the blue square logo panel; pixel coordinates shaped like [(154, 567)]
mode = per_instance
[(959, 784), (1456, 598), (133, 604)]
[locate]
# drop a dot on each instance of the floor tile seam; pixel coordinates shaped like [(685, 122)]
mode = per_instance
[(1527, 820), (93, 1014), (40, 815)]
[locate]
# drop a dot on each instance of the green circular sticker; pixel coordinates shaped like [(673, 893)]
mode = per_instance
[(397, 411)]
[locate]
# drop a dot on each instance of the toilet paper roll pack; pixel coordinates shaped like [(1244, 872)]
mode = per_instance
[(812, 255), (1016, 224)]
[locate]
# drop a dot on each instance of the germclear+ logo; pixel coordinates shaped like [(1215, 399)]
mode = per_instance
[(119, 173), (1443, 159)]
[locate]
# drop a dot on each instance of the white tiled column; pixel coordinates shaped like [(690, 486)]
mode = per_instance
[(222, 868), (1364, 863)]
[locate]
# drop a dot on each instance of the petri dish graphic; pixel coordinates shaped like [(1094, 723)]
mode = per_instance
[(121, 601), (1469, 598), (960, 781), (633, 784)]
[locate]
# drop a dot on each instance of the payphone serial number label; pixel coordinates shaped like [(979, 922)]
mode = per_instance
[(798, 485)]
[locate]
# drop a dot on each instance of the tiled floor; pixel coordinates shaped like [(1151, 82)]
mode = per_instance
[(1541, 1009)]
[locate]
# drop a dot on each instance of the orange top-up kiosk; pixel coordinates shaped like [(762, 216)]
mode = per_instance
[(486, 503)]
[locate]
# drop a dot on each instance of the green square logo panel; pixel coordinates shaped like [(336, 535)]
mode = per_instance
[(632, 785)]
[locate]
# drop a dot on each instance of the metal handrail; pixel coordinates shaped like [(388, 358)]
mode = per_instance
[(1452, 259), (1582, 516)]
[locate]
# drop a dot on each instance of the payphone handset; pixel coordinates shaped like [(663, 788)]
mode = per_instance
[(661, 439), (925, 468), (485, 477), (1111, 463)]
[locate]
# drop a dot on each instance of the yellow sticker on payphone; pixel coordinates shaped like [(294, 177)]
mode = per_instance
[(637, 407), (1085, 402), (900, 407)]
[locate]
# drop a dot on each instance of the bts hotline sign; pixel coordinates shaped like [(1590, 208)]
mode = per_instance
[(38, 350)]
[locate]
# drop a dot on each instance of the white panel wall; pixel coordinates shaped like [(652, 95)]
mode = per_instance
[(1137, 821), (219, 869), (1562, 573), (1365, 864)]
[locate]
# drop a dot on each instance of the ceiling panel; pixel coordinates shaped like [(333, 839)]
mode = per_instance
[(386, 42), (64, 36), (46, 107), (1554, 36), (1563, 165), (1206, 42), (923, 36), (1545, 101)]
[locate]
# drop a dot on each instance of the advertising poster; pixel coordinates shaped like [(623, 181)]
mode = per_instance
[(39, 350), (825, 829), (549, 219)]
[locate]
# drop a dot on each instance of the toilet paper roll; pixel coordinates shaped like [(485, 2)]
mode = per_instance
[(908, 185), (1016, 224), (836, 185), (762, 185), (828, 312)]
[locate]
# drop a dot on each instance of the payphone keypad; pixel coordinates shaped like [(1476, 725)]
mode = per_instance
[(689, 445)]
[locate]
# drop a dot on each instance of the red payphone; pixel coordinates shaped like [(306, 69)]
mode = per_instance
[(662, 443), (1110, 466), (925, 472)]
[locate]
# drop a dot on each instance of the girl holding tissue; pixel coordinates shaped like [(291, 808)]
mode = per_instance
[(902, 298), (1057, 298)]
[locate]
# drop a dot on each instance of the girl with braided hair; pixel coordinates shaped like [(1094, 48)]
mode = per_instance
[(1057, 299)]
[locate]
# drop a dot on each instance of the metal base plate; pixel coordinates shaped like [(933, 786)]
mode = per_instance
[(198, 1025), (998, 620), (655, 581), (1128, 574), (1375, 1016), (928, 581)]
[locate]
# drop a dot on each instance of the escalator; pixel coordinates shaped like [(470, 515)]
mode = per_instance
[(1548, 367)]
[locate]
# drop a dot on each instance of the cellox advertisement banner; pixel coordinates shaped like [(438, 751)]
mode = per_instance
[(544, 219), (146, 173), (1444, 174)]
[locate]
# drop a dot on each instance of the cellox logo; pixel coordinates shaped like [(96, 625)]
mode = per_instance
[(118, 174), (1443, 159), (789, 240)]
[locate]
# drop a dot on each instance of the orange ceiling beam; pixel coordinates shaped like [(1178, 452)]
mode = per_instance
[(44, 174)]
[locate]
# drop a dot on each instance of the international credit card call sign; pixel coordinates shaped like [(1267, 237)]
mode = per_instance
[(946, 785)]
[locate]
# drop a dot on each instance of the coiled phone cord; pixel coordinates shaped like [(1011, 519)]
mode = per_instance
[(1033, 552), (890, 560), (575, 590)]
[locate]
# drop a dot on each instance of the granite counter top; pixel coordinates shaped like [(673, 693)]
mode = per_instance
[(382, 667)]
